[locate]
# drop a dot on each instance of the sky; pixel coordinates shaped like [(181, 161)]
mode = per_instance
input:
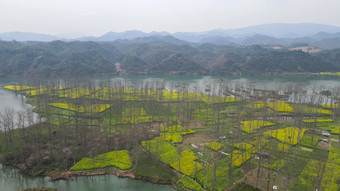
[(71, 18)]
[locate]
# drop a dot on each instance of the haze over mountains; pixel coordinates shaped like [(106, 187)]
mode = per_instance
[(319, 35)]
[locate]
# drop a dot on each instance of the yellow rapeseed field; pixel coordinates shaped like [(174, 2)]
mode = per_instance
[(280, 106), (97, 108), (250, 126), (119, 159), (190, 184), (214, 145), (289, 135), (17, 88), (187, 164)]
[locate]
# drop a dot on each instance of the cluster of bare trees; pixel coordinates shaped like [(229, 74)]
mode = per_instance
[(63, 137)]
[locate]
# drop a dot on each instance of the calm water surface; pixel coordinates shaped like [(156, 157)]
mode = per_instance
[(15, 102), (12, 180)]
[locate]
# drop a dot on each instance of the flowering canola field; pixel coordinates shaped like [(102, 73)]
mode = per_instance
[(289, 135), (96, 108), (119, 159)]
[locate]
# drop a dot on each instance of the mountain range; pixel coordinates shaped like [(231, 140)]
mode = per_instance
[(156, 55), (263, 49), (319, 35)]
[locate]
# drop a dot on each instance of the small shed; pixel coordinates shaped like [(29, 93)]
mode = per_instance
[(323, 140)]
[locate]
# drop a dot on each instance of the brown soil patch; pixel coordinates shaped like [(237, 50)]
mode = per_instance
[(289, 121), (196, 139), (70, 174), (196, 124), (309, 49), (277, 180), (277, 47), (155, 126), (323, 145), (220, 61)]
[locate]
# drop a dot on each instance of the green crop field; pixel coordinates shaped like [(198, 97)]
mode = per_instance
[(193, 140)]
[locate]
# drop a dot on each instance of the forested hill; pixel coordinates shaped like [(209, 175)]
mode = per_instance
[(155, 56)]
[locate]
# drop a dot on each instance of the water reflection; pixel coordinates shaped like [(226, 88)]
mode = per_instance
[(11, 102), (12, 180)]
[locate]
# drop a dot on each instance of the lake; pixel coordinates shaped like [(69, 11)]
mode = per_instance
[(12, 180)]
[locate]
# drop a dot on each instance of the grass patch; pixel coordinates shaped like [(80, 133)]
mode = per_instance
[(275, 165), (206, 175), (294, 168), (308, 141), (190, 183), (317, 120), (147, 166), (309, 176), (163, 150), (244, 187)]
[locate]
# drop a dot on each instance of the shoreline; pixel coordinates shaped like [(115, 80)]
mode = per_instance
[(70, 175), (109, 171)]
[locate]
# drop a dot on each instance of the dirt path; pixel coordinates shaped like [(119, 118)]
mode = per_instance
[(305, 149)]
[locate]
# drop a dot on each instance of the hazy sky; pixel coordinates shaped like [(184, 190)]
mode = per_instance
[(96, 17)]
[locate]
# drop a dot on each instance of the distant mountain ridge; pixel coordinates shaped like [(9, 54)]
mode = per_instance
[(280, 34), (324, 35), (284, 30), (24, 36), (278, 30)]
